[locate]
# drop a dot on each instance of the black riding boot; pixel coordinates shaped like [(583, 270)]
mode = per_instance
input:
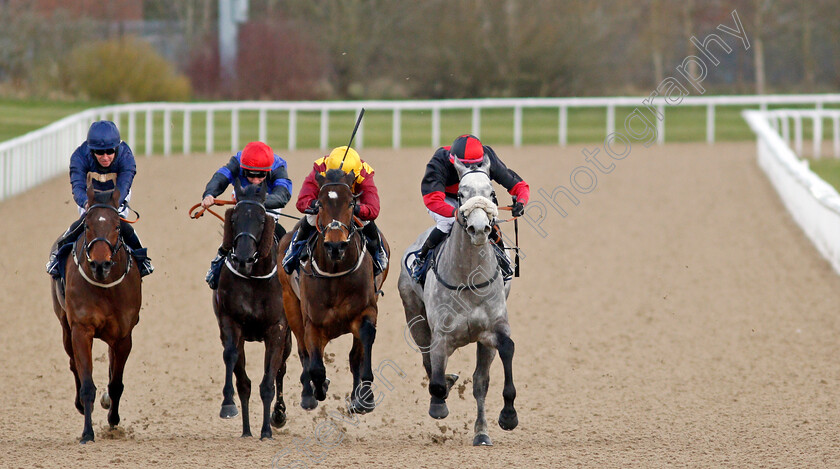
[(501, 257), (212, 277), (137, 250), (418, 267), (376, 248), (69, 236), (295, 253)]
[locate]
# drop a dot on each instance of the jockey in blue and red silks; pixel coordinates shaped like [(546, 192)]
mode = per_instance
[(366, 209), (253, 165), (440, 192), (104, 162)]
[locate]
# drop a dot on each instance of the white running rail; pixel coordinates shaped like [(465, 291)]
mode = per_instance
[(30, 159), (812, 202)]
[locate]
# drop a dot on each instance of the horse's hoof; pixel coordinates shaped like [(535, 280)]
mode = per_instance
[(228, 411), (86, 438), (438, 390), (326, 386), (358, 406), (278, 419), (438, 411), (105, 402), (246, 435), (266, 436), (508, 419), (482, 440), (308, 402)]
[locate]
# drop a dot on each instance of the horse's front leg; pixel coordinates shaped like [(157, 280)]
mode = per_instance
[(273, 360), (118, 355), (481, 382), (307, 398), (67, 339), (230, 342), (507, 418), (243, 388), (362, 399), (315, 345), (82, 338), (278, 417), (438, 356)]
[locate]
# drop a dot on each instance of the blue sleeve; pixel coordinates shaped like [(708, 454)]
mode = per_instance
[(126, 169), (80, 164), (222, 178), (281, 185)]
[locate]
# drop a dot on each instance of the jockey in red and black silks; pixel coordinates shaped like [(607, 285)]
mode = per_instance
[(440, 189), (366, 208), (103, 162), (255, 164)]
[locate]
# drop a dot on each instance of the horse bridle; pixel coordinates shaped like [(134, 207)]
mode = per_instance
[(256, 254), (335, 224), (89, 244), (458, 214)]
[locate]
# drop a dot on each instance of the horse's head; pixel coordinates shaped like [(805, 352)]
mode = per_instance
[(477, 209), (249, 230), (335, 217), (102, 231)]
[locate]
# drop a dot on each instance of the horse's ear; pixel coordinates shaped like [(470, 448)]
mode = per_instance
[(263, 191), (227, 234), (237, 188), (267, 239), (485, 165), (320, 179), (350, 178), (90, 195), (460, 167), (115, 198)]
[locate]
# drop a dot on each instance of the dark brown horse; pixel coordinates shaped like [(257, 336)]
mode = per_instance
[(336, 295), (249, 307), (101, 299)]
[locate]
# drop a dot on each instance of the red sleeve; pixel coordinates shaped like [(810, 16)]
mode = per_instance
[(369, 201), (436, 202), (308, 192), (522, 192)]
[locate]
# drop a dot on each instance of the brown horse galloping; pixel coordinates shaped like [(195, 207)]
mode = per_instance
[(336, 294), (249, 307), (101, 300)]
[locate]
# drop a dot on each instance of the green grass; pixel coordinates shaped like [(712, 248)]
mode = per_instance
[(828, 169), (539, 126)]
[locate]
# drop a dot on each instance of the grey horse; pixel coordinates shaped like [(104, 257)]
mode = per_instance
[(463, 300)]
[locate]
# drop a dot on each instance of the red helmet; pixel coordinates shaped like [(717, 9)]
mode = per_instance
[(257, 156), (468, 149)]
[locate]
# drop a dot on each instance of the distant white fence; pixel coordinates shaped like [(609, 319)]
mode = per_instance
[(30, 159), (813, 203)]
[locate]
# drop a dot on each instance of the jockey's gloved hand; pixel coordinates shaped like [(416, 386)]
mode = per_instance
[(518, 209), (357, 209), (313, 208)]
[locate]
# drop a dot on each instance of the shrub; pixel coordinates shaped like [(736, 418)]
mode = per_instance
[(123, 70)]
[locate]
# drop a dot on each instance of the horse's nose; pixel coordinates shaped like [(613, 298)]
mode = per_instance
[(471, 230), (487, 229), (336, 249)]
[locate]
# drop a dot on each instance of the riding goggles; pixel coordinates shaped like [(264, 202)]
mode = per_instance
[(254, 174), (109, 151)]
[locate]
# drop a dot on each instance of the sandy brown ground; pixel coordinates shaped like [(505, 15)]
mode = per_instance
[(676, 317)]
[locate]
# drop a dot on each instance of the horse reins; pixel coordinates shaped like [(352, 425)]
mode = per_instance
[(337, 225), (86, 247)]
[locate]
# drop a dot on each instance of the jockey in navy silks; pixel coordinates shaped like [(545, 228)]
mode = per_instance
[(253, 165), (440, 194), (104, 162)]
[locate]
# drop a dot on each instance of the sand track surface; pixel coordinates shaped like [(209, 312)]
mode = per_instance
[(675, 317)]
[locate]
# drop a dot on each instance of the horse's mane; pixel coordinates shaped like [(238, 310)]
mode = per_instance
[(335, 175)]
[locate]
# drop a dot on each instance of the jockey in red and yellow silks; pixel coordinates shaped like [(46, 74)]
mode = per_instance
[(367, 208)]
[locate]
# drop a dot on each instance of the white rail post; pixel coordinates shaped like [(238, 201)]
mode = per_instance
[(517, 126), (292, 129), (234, 130), (563, 126), (476, 121), (660, 125), (435, 127), (187, 131), (263, 125), (396, 129), (148, 131), (360, 134), (836, 127), (797, 134), (167, 132), (785, 128), (325, 129), (209, 138), (132, 129), (610, 119), (818, 134), (710, 123)]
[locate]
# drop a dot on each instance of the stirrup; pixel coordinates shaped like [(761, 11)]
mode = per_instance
[(416, 271), (212, 277), (146, 267), (52, 265), (293, 256)]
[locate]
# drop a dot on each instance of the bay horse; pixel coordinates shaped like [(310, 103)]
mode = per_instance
[(249, 307), (333, 294), (463, 300), (100, 299)]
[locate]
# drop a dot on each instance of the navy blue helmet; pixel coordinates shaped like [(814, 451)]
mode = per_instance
[(103, 135)]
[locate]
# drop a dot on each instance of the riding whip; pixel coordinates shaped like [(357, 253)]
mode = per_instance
[(352, 136)]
